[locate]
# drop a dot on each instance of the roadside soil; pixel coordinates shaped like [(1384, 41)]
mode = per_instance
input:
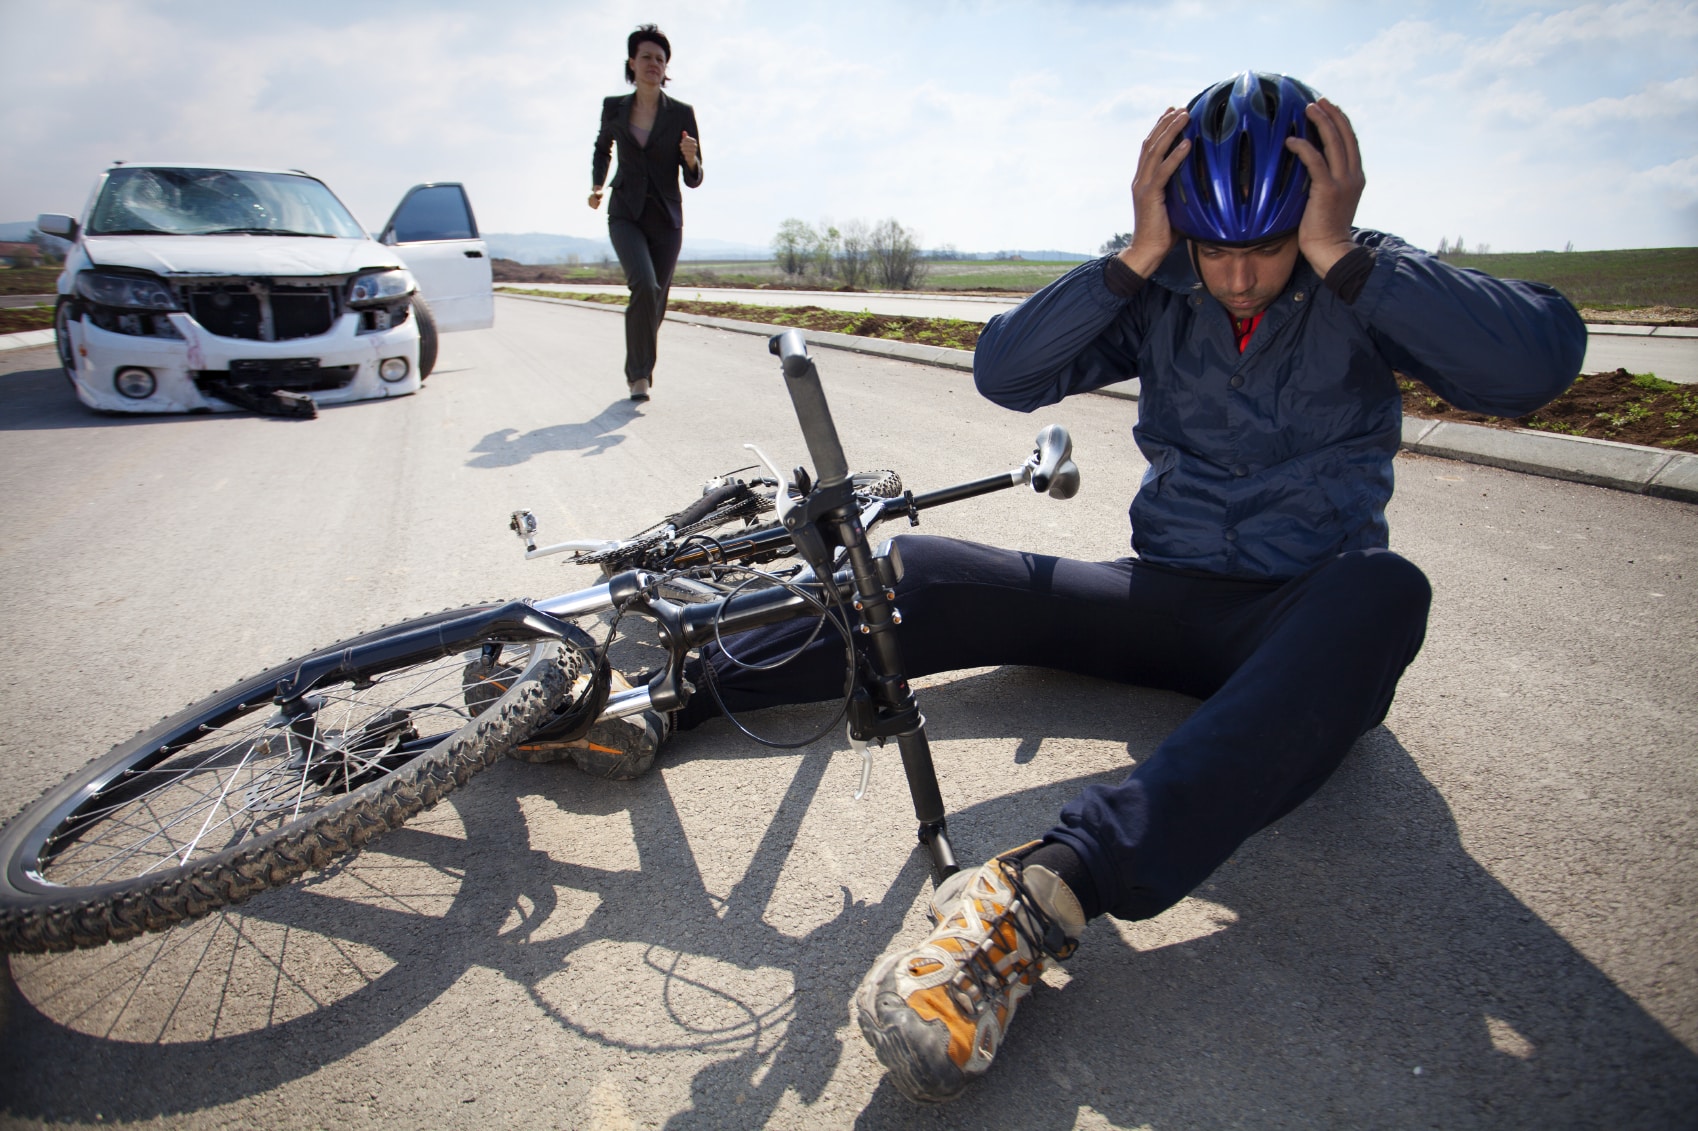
[(15, 320), (1619, 406), (954, 333), (1643, 316)]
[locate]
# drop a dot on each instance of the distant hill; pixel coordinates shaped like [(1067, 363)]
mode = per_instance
[(1047, 255)]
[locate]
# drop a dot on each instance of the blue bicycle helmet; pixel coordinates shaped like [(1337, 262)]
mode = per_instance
[(1240, 185)]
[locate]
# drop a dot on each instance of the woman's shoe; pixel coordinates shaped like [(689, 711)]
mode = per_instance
[(639, 389)]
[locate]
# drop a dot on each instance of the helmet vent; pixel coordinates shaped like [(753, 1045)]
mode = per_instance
[(1219, 118), (1244, 176), (1288, 163)]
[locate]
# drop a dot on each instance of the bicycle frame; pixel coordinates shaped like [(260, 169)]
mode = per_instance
[(823, 520)]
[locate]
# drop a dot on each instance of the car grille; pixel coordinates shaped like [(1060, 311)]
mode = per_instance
[(297, 374), (261, 312)]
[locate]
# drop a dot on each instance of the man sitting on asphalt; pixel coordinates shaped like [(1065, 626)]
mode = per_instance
[(1265, 340)]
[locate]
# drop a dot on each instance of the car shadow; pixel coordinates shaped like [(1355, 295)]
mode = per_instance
[(33, 400), (508, 447), (1353, 965)]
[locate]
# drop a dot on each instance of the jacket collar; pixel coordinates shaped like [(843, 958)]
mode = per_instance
[(1178, 274), (629, 102)]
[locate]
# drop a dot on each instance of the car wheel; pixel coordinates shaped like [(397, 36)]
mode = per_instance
[(62, 341), (427, 337)]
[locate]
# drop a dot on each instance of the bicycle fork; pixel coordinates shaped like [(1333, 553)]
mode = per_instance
[(882, 705)]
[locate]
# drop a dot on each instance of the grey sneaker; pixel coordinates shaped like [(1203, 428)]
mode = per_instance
[(620, 749), (936, 1013)]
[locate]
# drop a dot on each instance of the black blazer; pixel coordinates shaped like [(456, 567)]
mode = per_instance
[(650, 170)]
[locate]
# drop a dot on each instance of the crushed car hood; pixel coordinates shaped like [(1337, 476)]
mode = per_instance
[(239, 255)]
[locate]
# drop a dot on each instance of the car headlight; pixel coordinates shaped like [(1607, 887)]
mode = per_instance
[(380, 287), (126, 292)]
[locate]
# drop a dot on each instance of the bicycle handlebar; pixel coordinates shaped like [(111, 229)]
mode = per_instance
[(812, 412)]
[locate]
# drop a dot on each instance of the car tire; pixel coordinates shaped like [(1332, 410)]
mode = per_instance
[(62, 340), (427, 336)]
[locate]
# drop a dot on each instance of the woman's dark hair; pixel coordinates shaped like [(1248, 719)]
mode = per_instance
[(646, 33)]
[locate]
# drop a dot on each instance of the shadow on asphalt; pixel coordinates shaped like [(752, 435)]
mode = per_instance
[(34, 400), (1353, 965), (508, 447)]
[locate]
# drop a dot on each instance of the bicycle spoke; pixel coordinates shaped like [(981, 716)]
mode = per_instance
[(234, 780)]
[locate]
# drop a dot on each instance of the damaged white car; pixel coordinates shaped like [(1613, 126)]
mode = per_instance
[(194, 288)]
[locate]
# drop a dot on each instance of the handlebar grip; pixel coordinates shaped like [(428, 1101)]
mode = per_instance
[(1055, 472), (831, 467)]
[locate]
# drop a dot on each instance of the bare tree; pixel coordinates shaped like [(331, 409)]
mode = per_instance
[(826, 241), (852, 249), (793, 246), (895, 255)]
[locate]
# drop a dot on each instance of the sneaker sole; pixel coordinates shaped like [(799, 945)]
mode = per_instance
[(892, 1047)]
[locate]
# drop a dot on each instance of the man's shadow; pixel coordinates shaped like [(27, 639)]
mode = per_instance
[(1341, 950), (508, 447)]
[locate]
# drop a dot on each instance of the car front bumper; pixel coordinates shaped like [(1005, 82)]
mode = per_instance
[(176, 363)]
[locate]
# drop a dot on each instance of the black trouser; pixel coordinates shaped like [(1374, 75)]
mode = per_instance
[(648, 251), (1290, 673)]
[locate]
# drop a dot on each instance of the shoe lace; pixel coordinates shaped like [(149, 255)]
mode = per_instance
[(991, 984)]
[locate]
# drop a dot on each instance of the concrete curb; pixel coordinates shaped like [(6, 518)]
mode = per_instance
[(1601, 463), (28, 339), (1633, 331)]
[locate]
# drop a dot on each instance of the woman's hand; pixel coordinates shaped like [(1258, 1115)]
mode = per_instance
[(1152, 235), (691, 149), (1335, 186), (595, 198)]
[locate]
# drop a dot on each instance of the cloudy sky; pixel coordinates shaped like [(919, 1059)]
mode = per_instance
[(1522, 124)]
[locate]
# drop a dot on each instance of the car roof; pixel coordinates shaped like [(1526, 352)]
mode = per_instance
[(202, 165)]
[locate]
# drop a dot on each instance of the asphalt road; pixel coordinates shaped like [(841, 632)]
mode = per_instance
[(1485, 919), (1673, 358)]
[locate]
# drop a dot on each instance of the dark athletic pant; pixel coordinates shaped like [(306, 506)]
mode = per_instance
[(1290, 673), (648, 251)]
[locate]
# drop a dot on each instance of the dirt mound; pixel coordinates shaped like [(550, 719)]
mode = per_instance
[(1643, 316), (1620, 406)]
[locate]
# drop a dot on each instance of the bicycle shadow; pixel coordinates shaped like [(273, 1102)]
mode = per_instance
[(1341, 949), (508, 447)]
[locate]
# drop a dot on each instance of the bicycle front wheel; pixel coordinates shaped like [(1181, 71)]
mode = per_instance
[(282, 773)]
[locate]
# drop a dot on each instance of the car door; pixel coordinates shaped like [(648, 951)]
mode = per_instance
[(436, 235)]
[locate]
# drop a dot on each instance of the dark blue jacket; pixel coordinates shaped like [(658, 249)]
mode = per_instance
[(1265, 463)]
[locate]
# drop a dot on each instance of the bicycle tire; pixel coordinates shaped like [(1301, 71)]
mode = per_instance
[(257, 784)]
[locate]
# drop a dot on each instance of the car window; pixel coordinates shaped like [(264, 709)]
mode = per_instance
[(197, 202), (433, 212)]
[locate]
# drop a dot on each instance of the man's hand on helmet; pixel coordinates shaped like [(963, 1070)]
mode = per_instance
[(1335, 186), (1152, 235)]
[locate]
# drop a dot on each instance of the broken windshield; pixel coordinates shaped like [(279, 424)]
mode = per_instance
[(199, 202)]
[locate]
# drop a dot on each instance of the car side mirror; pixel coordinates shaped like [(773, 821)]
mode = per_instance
[(56, 224)]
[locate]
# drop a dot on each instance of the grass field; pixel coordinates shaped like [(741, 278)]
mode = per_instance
[(1603, 280), (28, 280)]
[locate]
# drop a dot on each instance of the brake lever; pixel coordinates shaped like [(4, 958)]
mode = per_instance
[(865, 749)]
